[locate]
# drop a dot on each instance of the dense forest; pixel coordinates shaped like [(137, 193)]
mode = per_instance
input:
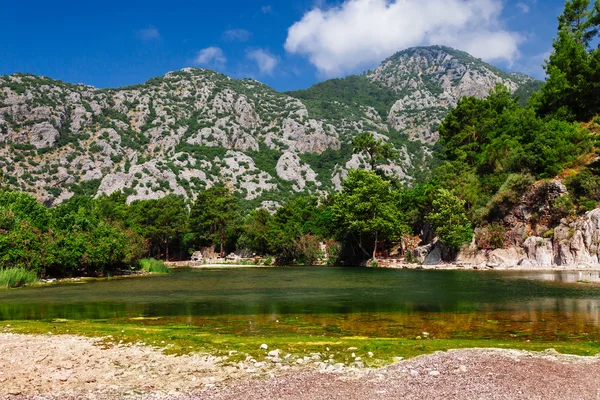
[(491, 150)]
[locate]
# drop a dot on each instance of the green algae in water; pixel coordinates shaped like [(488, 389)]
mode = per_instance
[(329, 302)]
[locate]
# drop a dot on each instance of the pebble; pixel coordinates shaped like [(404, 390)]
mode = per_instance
[(264, 346), (414, 372), (273, 353), (434, 373), (370, 354)]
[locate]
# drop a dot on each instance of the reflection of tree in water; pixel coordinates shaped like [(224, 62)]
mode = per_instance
[(331, 301)]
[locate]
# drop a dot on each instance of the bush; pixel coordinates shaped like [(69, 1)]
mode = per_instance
[(507, 197), (491, 237), (308, 250), (16, 277), (154, 266)]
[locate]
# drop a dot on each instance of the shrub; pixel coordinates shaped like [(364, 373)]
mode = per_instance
[(154, 266), (16, 277), (308, 250), (491, 237), (507, 196)]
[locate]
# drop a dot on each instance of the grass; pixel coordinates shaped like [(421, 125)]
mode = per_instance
[(16, 277), (184, 339), (154, 266)]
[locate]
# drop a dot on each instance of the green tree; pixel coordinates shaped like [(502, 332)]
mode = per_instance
[(450, 220), (367, 208), (255, 234), (161, 220), (572, 88), (376, 150), (214, 213), (580, 20)]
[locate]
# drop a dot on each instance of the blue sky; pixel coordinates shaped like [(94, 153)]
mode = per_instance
[(285, 44)]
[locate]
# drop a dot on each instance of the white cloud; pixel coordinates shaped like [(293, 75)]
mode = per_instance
[(237, 35), (265, 61), (523, 7), (149, 33), (268, 9), (361, 33), (211, 56)]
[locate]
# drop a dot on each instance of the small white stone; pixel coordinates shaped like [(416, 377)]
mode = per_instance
[(434, 373), (264, 346), (370, 354)]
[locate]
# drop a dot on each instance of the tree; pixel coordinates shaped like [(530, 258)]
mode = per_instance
[(377, 150), (572, 88), (214, 212), (160, 220), (366, 209), (450, 220), (580, 20), (256, 231)]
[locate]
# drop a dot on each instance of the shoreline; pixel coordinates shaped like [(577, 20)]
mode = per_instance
[(53, 366), (393, 264)]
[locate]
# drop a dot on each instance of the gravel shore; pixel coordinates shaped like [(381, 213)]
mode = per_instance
[(70, 367)]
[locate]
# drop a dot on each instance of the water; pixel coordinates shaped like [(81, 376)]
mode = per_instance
[(343, 301)]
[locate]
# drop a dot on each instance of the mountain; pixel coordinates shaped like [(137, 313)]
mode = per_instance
[(414, 89), (190, 129)]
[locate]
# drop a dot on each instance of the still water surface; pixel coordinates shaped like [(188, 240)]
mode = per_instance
[(344, 301)]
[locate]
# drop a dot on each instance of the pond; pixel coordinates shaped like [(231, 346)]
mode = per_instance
[(332, 301)]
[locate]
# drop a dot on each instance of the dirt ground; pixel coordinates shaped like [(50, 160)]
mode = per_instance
[(71, 367)]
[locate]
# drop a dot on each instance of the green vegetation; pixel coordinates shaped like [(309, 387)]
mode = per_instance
[(571, 90), (154, 266), (185, 339), (16, 277), (322, 99)]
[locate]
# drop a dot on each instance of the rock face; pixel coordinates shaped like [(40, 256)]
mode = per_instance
[(189, 129), (429, 81), (573, 244)]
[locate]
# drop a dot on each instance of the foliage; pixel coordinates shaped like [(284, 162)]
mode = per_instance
[(161, 221), (573, 69), (366, 210), (506, 197), (154, 266), (353, 90), (16, 277), (213, 218), (496, 135), (585, 189), (376, 150), (491, 237), (71, 239), (450, 220)]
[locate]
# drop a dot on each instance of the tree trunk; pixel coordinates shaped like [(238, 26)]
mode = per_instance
[(375, 248), (167, 248), (222, 240)]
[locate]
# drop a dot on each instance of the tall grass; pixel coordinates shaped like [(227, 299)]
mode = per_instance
[(16, 277), (154, 266)]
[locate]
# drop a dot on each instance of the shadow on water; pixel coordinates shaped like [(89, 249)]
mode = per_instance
[(340, 301)]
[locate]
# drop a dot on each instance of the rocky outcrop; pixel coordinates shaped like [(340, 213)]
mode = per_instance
[(571, 244), (429, 82)]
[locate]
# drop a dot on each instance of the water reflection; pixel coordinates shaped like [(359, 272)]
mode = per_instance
[(332, 301), (565, 276)]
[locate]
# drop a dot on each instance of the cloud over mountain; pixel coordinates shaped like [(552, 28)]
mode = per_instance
[(359, 33)]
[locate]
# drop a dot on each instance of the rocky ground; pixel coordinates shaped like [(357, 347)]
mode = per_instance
[(70, 367)]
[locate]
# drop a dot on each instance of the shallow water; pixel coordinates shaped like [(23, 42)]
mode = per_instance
[(336, 301)]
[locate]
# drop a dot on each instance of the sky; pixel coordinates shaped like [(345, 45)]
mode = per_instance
[(288, 45)]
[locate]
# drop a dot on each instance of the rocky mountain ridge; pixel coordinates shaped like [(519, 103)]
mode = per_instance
[(189, 129)]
